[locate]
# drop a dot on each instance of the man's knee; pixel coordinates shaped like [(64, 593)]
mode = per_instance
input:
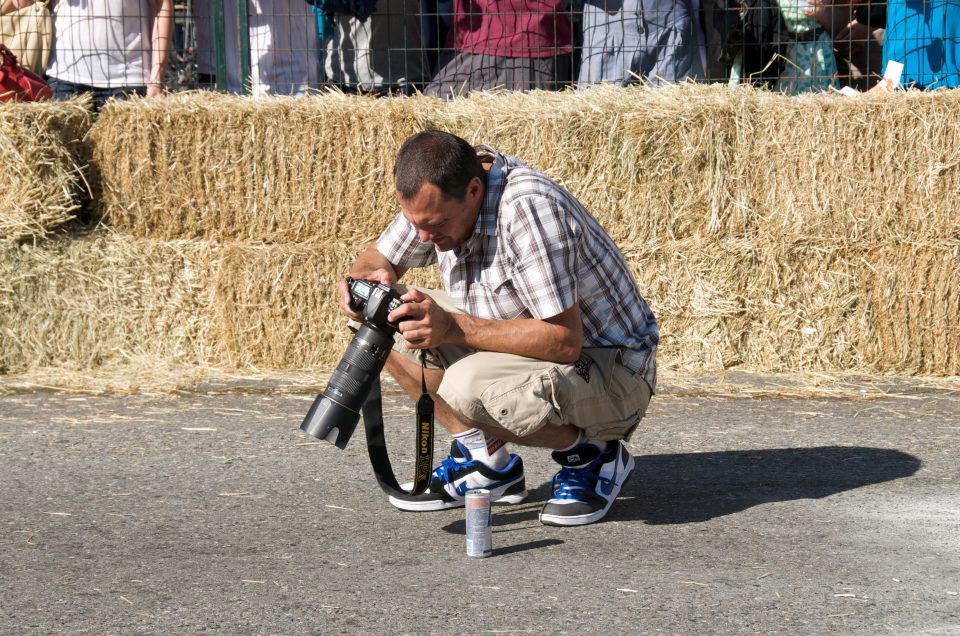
[(517, 402), (460, 388)]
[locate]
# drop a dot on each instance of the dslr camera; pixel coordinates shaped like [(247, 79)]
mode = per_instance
[(335, 413)]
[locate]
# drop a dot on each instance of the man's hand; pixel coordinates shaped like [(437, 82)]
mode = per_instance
[(370, 265), (423, 324), (344, 301), (381, 275)]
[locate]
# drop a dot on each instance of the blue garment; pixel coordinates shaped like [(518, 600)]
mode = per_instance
[(659, 41), (64, 90), (924, 35)]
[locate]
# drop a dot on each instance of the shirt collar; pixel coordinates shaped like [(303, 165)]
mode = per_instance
[(493, 190)]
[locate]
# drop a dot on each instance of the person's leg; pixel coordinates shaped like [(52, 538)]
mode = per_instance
[(407, 374), (102, 95), (65, 90), (477, 459), (583, 411)]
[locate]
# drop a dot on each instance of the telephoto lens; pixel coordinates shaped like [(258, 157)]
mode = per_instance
[(334, 414)]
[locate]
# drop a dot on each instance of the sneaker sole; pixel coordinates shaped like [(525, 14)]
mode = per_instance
[(440, 504), (593, 517)]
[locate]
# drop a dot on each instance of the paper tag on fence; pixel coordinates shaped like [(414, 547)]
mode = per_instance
[(894, 72)]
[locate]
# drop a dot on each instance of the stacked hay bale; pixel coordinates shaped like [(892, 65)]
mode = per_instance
[(42, 156), (768, 233), (223, 235)]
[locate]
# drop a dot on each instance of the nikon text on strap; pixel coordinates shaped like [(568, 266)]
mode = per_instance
[(377, 446)]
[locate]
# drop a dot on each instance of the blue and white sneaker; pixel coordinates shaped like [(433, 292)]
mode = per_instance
[(459, 473), (588, 483)]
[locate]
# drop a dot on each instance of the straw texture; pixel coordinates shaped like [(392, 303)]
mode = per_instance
[(651, 164), (769, 233), (42, 154), (112, 299)]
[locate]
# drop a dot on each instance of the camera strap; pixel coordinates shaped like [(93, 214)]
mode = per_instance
[(372, 411)]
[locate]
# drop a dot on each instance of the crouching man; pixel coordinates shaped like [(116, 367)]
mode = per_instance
[(540, 337)]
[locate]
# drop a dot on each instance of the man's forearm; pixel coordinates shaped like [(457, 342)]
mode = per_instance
[(370, 261), (530, 338)]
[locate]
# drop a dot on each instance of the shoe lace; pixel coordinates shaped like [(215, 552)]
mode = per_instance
[(450, 467), (569, 482)]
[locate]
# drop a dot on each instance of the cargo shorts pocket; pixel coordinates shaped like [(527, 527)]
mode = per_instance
[(600, 395), (522, 405)]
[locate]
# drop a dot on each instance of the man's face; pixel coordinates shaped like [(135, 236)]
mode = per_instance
[(445, 221)]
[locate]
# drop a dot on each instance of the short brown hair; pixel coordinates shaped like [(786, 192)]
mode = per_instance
[(436, 157)]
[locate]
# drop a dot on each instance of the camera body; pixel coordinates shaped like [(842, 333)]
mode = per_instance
[(374, 300), (334, 414)]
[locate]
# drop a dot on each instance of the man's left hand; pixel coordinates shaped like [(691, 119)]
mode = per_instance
[(422, 323)]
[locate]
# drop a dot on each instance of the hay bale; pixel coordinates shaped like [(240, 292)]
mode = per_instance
[(106, 300), (276, 306), (856, 170), (768, 233), (96, 301), (661, 164), (666, 164), (42, 154), (807, 306), (227, 168), (649, 164), (216, 167), (110, 300)]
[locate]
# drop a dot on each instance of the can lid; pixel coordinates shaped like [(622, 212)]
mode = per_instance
[(478, 491)]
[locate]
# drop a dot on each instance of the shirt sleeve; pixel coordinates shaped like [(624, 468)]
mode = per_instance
[(401, 246), (544, 247)]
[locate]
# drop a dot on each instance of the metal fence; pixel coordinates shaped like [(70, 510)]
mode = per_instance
[(447, 47)]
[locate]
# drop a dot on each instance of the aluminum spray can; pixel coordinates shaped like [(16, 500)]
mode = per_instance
[(479, 523)]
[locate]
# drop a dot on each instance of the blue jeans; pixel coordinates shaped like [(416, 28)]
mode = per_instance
[(64, 90)]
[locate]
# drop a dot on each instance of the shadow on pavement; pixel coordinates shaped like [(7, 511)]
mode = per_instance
[(691, 487), (500, 534)]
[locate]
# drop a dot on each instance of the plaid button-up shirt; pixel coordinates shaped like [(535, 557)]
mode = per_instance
[(534, 252)]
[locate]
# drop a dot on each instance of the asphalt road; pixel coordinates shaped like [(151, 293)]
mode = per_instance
[(215, 514)]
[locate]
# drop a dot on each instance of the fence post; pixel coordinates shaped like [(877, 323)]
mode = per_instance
[(244, 27), (219, 44)]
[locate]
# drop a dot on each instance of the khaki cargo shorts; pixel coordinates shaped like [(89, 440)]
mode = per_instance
[(597, 393)]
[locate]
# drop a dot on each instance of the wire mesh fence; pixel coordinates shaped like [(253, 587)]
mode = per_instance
[(454, 47)]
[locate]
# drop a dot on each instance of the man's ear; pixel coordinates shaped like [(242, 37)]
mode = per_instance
[(475, 187)]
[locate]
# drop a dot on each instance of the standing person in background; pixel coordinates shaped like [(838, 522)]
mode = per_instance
[(516, 45), (110, 48), (720, 18), (925, 38), (382, 54), (857, 33), (657, 41), (804, 52), (435, 19), (284, 47)]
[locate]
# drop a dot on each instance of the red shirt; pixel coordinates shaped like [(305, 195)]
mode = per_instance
[(511, 28)]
